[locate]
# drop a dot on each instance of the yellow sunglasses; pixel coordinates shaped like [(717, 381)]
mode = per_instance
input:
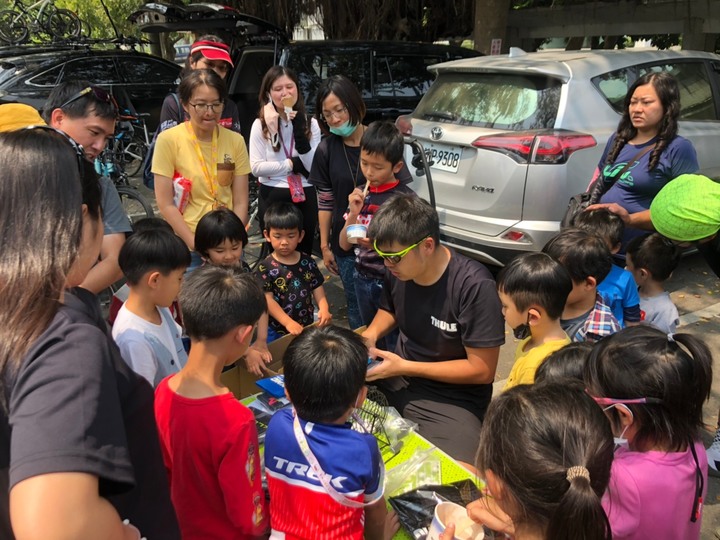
[(395, 258)]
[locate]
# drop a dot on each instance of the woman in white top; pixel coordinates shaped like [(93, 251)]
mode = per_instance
[(282, 147)]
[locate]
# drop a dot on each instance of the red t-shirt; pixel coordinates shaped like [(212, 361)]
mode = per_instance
[(210, 449)]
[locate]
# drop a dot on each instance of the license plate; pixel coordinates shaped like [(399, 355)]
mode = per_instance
[(444, 158)]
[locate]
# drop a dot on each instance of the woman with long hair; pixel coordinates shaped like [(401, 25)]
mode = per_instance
[(79, 451), (282, 146), (646, 138), (200, 166)]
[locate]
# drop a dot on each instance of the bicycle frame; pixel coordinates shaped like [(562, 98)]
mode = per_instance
[(27, 10)]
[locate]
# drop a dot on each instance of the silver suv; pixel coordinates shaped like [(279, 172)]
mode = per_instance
[(512, 138)]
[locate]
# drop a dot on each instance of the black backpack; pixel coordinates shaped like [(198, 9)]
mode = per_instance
[(148, 176)]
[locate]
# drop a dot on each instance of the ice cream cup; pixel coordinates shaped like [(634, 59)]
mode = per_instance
[(355, 232), (288, 103), (465, 528)]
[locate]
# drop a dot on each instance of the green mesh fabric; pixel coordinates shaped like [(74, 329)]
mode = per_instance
[(687, 208)]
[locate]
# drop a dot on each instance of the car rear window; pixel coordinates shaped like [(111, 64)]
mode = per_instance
[(696, 97), (492, 100)]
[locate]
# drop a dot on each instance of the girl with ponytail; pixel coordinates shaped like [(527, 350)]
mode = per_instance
[(545, 453), (652, 387)]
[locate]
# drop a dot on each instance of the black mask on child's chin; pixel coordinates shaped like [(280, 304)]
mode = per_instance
[(521, 331)]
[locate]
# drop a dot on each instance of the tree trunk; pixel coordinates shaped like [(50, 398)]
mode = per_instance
[(491, 23)]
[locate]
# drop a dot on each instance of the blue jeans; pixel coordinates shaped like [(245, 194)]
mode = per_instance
[(368, 292), (195, 262), (346, 269)]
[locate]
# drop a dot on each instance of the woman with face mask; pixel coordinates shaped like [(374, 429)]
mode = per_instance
[(283, 141), (336, 173)]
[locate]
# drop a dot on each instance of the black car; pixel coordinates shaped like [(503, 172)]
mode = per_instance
[(391, 75), (29, 73)]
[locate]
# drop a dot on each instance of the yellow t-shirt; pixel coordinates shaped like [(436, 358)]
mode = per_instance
[(527, 362), (175, 152)]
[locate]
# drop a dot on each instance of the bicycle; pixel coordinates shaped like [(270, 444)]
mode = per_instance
[(134, 149), (109, 164), (17, 23)]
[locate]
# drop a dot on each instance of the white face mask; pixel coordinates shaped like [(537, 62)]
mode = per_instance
[(620, 440)]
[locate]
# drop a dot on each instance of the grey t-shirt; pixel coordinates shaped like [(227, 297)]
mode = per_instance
[(115, 219), (660, 312)]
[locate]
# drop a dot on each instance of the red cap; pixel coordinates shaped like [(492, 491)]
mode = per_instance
[(212, 50)]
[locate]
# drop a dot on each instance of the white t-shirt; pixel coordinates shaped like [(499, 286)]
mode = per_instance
[(135, 336)]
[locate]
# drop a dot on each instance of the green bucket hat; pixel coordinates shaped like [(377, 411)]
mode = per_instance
[(687, 208)]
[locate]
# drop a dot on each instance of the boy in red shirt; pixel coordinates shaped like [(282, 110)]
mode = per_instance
[(208, 438)]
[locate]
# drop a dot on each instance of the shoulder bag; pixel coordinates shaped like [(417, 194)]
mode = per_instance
[(578, 203)]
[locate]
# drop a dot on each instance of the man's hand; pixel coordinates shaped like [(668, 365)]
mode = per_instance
[(392, 365)]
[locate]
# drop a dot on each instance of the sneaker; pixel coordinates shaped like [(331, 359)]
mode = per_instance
[(713, 456)]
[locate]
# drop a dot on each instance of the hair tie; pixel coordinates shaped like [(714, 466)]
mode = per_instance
[(671, 337), (577, 471)]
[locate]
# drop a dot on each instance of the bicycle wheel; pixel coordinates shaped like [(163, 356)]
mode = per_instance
[(63, 24), (13, 29), (133, 156), (135, 205)]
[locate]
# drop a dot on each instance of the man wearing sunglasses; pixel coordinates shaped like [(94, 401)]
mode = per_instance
[(451, 326), (87, 114)]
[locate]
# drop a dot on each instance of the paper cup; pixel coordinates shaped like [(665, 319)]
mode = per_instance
[(355, 232), (448, 512)]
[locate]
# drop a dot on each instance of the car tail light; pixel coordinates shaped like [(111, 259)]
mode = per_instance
[(515, 236), (551, 147), (404, 125)]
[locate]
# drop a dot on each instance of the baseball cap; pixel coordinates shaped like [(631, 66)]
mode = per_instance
[(212, 50), (687, 208), (17, 116)]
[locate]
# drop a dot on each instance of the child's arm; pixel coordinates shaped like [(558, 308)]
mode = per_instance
[(258, 354), (379, 523), (355, 204), (241, 484), (324, 315), (277, 313)]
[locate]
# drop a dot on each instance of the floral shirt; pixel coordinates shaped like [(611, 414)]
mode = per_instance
[(292, 286)]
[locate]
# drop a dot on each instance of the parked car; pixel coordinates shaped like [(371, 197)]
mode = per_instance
[(29, 73), (392, 75), (513, 137)]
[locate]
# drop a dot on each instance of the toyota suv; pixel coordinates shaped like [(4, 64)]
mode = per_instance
[(511, 138)]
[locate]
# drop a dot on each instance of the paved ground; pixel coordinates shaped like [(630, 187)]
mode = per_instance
[(696, 292)]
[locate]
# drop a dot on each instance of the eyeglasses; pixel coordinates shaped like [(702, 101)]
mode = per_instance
[(205, 107), (394, 258), (99, 94), (79, 152), (337, 113)]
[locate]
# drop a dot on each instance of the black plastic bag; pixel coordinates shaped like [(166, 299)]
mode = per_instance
[(415, 508)]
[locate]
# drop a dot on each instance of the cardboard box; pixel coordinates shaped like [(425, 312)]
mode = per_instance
[(242, 383)]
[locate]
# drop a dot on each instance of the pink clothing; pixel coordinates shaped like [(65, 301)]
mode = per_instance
[(651, 494)]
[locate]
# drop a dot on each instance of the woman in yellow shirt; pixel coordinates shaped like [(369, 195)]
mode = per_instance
[(199, 165)]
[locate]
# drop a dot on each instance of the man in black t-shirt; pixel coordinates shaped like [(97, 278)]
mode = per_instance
[(451, 326)]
